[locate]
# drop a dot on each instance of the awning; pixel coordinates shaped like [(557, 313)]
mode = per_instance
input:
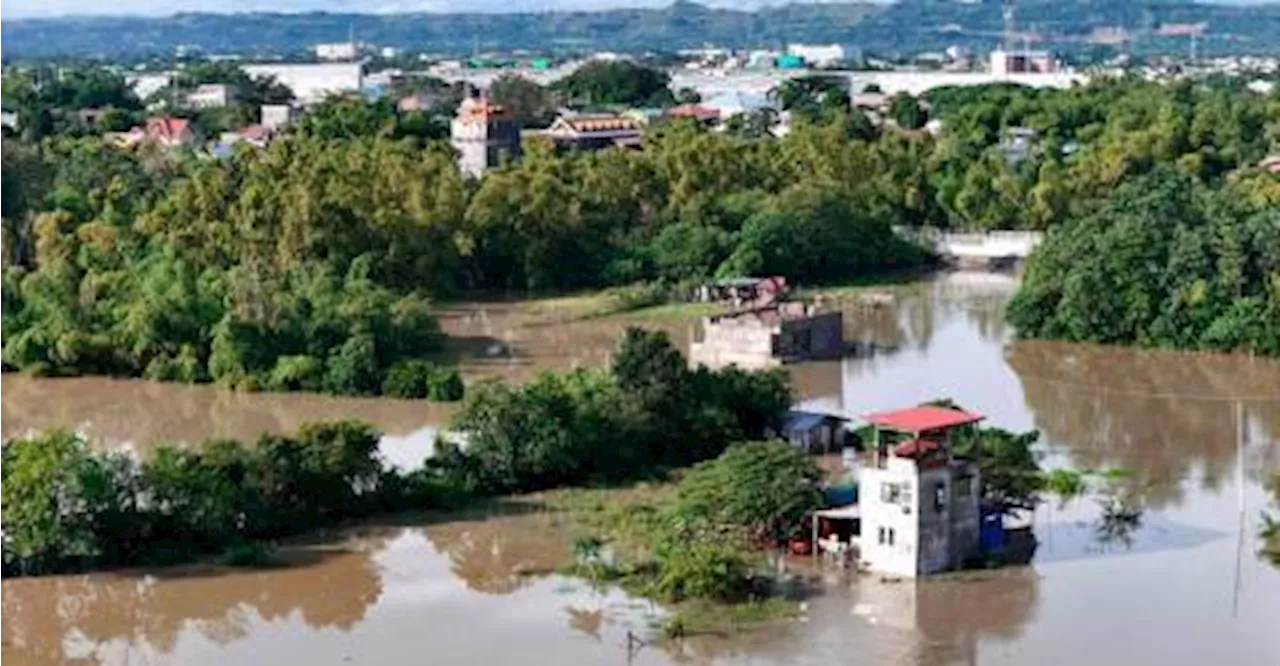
[(846, 512)]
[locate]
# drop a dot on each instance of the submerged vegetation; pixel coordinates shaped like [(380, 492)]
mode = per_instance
[(701, 544), (67, 506)]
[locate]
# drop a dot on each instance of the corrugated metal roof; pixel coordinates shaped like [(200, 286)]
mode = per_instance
[(923, 418)]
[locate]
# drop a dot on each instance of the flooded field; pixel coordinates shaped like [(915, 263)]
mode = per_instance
[(1199, 434)]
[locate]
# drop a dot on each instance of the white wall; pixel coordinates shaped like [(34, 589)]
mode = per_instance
[(312, 82), (900, 558)]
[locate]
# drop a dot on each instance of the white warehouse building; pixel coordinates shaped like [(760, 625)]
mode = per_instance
[(312, 82)]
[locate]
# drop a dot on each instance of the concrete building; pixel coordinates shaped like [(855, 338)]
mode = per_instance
[(163, 131), (312, 82), (336, 51), (1022, 62), (147, 85), (211, 96), (768, 335), (276, 117), (592, 131), (918, 502), (822, 55), (737, 102), (484, 135)]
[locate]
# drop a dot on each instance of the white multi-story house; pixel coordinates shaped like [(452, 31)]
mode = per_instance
[(919, 503), (210, 96)]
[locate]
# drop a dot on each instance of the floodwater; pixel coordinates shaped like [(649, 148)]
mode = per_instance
[(1198, 434)]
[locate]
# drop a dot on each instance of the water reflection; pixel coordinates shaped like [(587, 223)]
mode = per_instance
[(1159, 414), (499, 554), (141, 414), (100, 618), (477, 591)]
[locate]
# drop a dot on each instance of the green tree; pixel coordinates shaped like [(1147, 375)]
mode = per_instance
[(623, 83), (764, 488), (532, 105), (905, 110)]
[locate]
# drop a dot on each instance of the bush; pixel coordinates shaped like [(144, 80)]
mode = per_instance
[(185, 367), (416, 378), (353, 368), (296, 373), (408, 379), (764, 488), (701, 569), (64, 504), (445, 385)]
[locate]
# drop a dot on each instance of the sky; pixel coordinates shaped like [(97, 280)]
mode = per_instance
[(44, 8), (51, 8)]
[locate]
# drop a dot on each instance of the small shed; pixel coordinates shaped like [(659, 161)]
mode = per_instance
[(813, 432)]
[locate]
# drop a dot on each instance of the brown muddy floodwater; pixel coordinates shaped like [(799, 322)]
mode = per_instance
[(1185, 588)]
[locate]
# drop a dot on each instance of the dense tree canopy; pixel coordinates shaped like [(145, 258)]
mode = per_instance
[(139, 261), (624, 83), (1168, 262)]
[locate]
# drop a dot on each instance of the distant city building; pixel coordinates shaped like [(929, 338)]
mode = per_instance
[(276, 117), (1022, 62), (147, 85), (210, 96), (163, 131), (337, 51), (312, 82), (592, 131), (761, 59), (736, 102), (823, 55), (419, 101), (390, 52), (484, 134)]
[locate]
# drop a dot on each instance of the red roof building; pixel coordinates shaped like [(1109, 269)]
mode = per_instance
[(925, 418), (695, 112)]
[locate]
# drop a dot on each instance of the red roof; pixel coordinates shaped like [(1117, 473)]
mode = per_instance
[(914, 447), (166, 127), (923, 418), (693, 111)]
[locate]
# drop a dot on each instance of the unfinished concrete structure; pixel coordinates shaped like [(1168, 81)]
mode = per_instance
[(784, 332), (919, 503), (484, 134)]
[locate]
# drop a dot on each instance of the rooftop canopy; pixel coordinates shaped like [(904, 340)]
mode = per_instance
[(922, 419)]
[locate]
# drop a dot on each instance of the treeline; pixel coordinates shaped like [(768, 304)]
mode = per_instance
[(647, 413), (69, 507), (99, 278), (1087, 141), (310, 264), (1169, 262)]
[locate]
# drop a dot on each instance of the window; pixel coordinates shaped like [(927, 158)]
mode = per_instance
[(882, 536), (886, 536), (890, 493), (939, 497), (964, 486), (889, 542)]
